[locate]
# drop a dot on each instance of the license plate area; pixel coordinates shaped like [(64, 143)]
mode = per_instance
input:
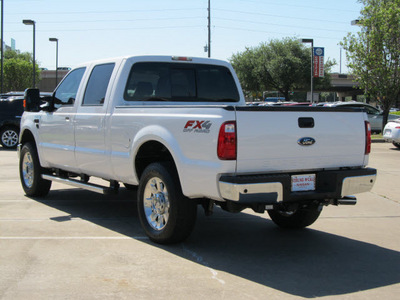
[(303, 182)]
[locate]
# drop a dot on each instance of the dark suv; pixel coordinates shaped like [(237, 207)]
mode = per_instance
[(11, 110)]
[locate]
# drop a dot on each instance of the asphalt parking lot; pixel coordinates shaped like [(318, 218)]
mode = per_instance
[(75, 244)]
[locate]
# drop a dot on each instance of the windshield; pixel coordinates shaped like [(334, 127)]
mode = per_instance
[(155, 81)]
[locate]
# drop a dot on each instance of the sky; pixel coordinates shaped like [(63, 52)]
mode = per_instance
[(94, 29)]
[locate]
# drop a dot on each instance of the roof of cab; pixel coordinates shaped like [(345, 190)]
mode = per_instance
[(159, 58)]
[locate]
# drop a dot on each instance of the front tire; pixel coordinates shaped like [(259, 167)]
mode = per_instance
[(396, 144), (297, 218), (30, 173), (166, 215)]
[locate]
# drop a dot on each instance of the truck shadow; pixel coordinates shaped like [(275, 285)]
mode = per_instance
[(8, 149), (306, 263)]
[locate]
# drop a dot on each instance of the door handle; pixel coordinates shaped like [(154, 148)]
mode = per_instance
[(36, 121), (67, 119)]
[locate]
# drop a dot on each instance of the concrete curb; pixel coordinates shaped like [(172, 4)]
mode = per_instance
[(378, 141)]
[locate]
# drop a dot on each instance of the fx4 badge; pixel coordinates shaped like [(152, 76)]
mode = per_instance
[(197, 126), (306, 141)]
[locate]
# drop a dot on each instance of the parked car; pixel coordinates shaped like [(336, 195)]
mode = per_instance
[(6, 96), (305, 104), (375, 116), (391, 132), (11, 109)]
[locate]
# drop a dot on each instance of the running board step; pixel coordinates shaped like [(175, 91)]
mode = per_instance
[(83, 185)]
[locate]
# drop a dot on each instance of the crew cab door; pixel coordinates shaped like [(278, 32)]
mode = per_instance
[(56, 128), (90, 147)]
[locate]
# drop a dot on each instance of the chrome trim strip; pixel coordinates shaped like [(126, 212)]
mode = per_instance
[(233, 192), (357, 184), (91, 187)]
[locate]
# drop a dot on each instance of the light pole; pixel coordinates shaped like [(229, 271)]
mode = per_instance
[(55, 40), (209, 29), (312, 65), (357, 22), (2, 50), (31, 22)]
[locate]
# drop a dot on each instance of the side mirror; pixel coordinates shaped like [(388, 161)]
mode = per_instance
[(32, 100), (48, 103)]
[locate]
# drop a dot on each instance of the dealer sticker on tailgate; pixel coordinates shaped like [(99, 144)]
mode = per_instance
[(304, 182)]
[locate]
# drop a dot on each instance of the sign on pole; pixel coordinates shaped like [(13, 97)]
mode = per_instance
[(318, 62)]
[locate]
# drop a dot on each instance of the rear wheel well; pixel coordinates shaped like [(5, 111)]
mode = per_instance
[(151, 152)]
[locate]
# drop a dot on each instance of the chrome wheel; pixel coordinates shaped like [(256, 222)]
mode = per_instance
[(166, 215), (27, 170), (156, 203), (9, 138), (30, 172)]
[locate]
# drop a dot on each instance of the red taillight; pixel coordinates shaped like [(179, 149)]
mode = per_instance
[(367, 138), (227, 141)]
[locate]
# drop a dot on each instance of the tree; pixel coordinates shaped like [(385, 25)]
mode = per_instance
[(18, 71), (245, 65), (282, 65), (374, 52)]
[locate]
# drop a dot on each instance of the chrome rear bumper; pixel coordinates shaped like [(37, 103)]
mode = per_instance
[(270, 189)]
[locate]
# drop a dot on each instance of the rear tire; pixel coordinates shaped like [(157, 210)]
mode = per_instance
[(30, 172), (166, 215), (295, 219), (9, 136)]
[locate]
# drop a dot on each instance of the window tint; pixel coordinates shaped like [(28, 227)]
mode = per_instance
[(97, 85), (66, 92), (216, 84), (183, 83), (367, 109), (371, 110), (180, 82)]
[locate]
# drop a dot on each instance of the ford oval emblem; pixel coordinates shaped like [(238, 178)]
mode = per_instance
[(306, 141)]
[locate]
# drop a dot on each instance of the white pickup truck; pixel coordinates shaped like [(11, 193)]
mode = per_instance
[(178, 128)]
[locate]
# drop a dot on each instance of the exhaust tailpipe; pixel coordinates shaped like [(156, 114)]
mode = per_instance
[(347, 200)]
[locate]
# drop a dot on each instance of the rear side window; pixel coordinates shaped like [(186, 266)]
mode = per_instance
[(152, 81), (66, 91), (97, 85)]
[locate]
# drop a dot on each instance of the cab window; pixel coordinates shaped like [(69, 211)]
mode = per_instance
[(160, 81), (97, 85), (66, 91)]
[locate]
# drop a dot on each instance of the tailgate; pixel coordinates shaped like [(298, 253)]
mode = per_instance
[(283, 139)]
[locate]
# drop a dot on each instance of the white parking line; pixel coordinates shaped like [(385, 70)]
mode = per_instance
[(199, 259)]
